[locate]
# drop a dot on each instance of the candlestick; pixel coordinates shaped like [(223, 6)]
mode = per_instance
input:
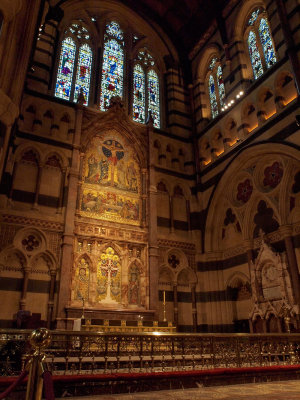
[(164, 297)]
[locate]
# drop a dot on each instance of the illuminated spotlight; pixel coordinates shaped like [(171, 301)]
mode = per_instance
[(226, 107), (93, 19), (237, 96), (241, 93), (232, 101), (222, 109)]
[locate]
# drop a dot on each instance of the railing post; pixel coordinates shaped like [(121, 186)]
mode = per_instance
[(39, 340)]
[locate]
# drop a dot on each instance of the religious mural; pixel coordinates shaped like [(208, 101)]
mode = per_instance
[(109, 277), (111, 176)]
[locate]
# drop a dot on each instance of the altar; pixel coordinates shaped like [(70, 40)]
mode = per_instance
[(126, 326)]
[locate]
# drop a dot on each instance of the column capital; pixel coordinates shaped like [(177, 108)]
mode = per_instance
[(286, 230)]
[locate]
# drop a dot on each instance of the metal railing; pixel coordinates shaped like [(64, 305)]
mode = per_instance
[(92, 353)]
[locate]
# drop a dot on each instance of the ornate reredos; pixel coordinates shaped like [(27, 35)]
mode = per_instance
[(111, 170)]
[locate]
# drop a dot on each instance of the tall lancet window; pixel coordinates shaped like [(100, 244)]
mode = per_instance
[(216, 87), (112, 65), (146, 96), (75, 64), (260, 44)]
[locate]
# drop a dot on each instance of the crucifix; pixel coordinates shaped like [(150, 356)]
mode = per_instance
[(114, 152), (109, 269)]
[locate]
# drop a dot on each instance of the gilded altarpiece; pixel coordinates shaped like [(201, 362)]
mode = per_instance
[(111, 256), (111, 182)]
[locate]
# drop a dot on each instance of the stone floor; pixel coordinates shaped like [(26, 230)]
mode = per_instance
[(283, 390)]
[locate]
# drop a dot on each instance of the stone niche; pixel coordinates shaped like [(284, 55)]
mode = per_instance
[(272, 295)]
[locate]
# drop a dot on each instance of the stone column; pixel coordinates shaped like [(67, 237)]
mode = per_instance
[(292, 261), (171, 200), (144, 196), (188, 214), (68, 235), (194, 307), (24, 289), (249, 250), (152, 218), (12, 180), (175, 303), (61, 193), (290, 43), (37, 186), (51, 298)]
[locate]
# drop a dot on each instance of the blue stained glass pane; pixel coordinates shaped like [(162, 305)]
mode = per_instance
[(267, 44), (253, 17), (113, 29), (153, 97), (254, 55), (112, 72), (65, 69), (83, 75), (213, 97), (138, 94), (221, 86)]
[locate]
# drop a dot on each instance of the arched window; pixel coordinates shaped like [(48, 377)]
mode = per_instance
[(112, 64), (216, 87), (75, 63), (146, 98), (260, 43)]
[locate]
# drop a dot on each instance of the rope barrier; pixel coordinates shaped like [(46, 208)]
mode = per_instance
[(48, 386), (15, 384)]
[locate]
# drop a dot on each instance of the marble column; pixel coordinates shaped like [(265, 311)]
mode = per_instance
[(152, 219), (67, 253)]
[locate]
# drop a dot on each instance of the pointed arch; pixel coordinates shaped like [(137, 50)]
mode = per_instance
[(153, 97), (138, 94), (267, 43), (83, 74), (112, 65), (212, 96), (65, 70), (254, 55)]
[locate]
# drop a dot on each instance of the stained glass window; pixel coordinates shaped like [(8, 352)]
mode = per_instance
[(267, 44), (253, 17), (213, 97), (221, 86), (213, 63), (153, 97), (112, 66), (65, 69), (254, 55), (138, 94), (113, 29), (83, 75)]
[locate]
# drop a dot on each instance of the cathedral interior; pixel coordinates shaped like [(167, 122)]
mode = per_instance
[(150, 164)]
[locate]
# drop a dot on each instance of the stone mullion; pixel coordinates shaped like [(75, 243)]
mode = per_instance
[(175, 304), (194, 307), (144, 196), (24, 289), (12, 180), (67, 253), (51, 299), (38, 186), (188, 214), (171, 202), (61, 192)]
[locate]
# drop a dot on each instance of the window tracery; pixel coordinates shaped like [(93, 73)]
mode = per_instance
[(145, 89), (216, 87), (260, 44), (76, 56), (112, 65)]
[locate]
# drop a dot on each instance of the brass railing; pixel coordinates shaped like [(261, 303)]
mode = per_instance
[(92, 353)]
